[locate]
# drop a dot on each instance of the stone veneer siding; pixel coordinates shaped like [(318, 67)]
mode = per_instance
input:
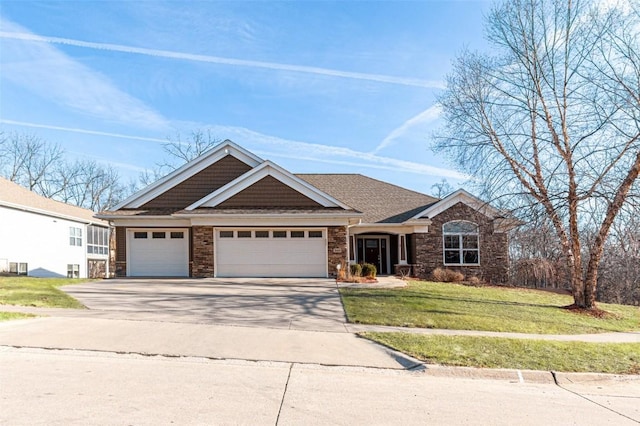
[(118, 260), (337, 248), (494, 256), (202, 246)]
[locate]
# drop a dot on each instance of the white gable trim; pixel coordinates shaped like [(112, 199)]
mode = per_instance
[(188, 170), (267, 168), (459, 196)]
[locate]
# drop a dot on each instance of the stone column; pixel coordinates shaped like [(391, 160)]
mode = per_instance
[(202, 266)]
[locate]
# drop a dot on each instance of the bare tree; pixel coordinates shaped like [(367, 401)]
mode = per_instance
[(42, 167), (28, 160), (553, 114), (178, 152), (442, 189), (89, 184)]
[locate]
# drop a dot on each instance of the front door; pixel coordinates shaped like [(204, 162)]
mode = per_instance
[(372, 252)]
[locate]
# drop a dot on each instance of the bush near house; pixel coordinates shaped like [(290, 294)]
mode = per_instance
[(447, 276), (369, 270), (355, 269)]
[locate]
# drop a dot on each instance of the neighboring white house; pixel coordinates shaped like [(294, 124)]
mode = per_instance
[(42, 237)]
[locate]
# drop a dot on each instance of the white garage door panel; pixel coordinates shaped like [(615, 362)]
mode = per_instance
[(158, 257), (271, 257)]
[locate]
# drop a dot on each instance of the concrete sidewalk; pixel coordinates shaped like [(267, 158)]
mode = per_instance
[(200, 340)]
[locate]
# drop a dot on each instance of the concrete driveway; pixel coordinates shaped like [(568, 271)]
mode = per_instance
[(289, 303)]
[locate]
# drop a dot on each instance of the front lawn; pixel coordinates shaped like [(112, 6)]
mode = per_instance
[(460, 307), (39, 292), (524, 354)]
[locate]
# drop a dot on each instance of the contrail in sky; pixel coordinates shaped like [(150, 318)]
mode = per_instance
[(76, 130), (432, 84)]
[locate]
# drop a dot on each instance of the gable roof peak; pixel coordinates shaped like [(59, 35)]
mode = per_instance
[(268, 168), (189, 169), (459, 196)]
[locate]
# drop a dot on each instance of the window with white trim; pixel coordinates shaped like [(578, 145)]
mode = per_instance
[(18, 268), (97, 240), (75, 236), (73, 271), (461, 243)]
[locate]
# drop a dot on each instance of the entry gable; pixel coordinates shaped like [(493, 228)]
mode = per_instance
[(459, 196), (199, 177), (268, 185)]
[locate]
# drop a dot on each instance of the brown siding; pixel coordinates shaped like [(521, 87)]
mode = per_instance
[(120, 267), (494, 258), (201, 184), (202, 264), (266, 193), (337, 243)]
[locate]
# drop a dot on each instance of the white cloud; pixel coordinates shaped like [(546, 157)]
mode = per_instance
[(79, 130), (406, 81), (427, 116), (330, 154), (51, 74), (272, 146)]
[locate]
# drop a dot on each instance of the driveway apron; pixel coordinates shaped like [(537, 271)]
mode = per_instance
[(288, 303)]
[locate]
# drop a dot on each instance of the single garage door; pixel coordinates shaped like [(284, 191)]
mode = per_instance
[(271, 253), (158, 253)]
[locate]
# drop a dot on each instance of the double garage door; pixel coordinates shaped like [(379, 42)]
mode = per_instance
[(243, 252), (271, 253)]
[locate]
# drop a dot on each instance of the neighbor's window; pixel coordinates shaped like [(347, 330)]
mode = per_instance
[(75, 236), (461, 244), (73, 271), (97, 240), (18, 268)]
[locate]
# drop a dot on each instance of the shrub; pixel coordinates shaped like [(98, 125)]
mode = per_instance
[(447, 275), (475, 281), (355, 269), (369, 270)]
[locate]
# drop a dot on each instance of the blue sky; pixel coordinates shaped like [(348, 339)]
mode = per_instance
[(315, 86)]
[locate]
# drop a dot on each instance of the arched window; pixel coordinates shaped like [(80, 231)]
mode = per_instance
[(460, 242)]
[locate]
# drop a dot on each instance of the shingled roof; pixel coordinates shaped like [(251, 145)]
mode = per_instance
[(380, 202), (14, 195)]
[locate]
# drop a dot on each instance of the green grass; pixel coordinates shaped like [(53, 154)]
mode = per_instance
[(493, 352), (39, 292), (459, 307), (6, 316)]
